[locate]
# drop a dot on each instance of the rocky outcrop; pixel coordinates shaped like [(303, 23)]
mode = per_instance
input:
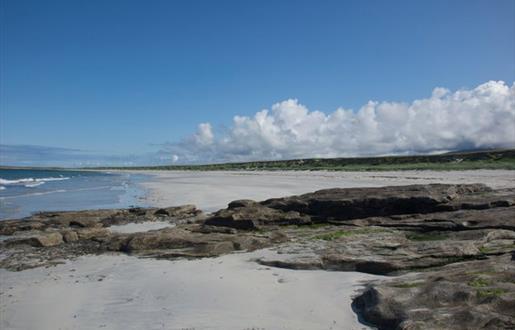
[(418, 206), (465, 295), (251, 215), (383, 251), (461, 220), (178, 211), (45, 240), (68, 234), (98, 218), (191, 241), (36, 239), (354, 203)]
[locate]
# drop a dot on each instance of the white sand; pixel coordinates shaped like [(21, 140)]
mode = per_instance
[(140, 227), (211, 191), (229, 292)]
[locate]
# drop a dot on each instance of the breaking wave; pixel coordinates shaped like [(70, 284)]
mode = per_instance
[(30, 182)]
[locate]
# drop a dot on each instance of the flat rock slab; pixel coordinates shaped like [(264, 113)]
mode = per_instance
[(467, 295)]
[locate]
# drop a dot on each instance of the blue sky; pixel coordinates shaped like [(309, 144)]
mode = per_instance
[(136, 78)]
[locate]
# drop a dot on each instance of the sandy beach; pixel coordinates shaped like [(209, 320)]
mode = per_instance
[(229, 292), (211, 191)]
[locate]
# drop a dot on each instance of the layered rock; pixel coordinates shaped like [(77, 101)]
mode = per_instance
[(354, 203), (383, 251), (191, 241), (70, 234), (466, 295), (98, 218), (252, 215)]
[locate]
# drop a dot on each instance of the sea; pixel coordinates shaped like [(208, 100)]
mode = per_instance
[(26, 191)]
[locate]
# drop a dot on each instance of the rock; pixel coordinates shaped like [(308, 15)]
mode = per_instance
[(138, 211), (187, 210), (84, 223), (383, 251), (70, 236), (500, 234), (9, 227), (191, 241), (378, 307), (253, 216), (98, 234), (500, 217), (215, 229), (46, 240), (354, 203), (467, 295), (220, 248), (242, 203), (160, 239)]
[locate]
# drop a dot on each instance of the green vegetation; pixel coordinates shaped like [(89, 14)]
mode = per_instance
[(426, 237), (315, 225), (479, 282), (485, 250), (407, 285), (483, 272), (487, 293), (362, 231), (497, 249), (345, 233), (492, 159), (333, 235)]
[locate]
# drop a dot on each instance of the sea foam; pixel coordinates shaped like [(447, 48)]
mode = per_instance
[(30, 182)]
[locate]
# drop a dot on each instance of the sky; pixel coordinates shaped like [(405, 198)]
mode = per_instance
[(86, 83)]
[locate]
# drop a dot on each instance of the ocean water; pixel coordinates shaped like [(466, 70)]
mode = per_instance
[(25, 191)]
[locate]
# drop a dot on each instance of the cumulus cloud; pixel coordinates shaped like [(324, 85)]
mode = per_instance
[(482, 117), (204, 135)]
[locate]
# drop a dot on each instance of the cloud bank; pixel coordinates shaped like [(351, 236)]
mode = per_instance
[(482, 117)]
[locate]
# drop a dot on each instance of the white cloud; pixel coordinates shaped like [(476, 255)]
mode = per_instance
[(482, 117), (204, 135)]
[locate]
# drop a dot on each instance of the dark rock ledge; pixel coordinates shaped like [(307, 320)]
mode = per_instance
[(449, 248)]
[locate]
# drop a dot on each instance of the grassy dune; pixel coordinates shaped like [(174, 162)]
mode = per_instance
[(492, 159)]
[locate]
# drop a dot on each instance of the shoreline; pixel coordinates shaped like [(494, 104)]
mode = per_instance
[(76, 192)]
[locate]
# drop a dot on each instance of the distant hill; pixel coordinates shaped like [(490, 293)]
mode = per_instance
[(461, 160)]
